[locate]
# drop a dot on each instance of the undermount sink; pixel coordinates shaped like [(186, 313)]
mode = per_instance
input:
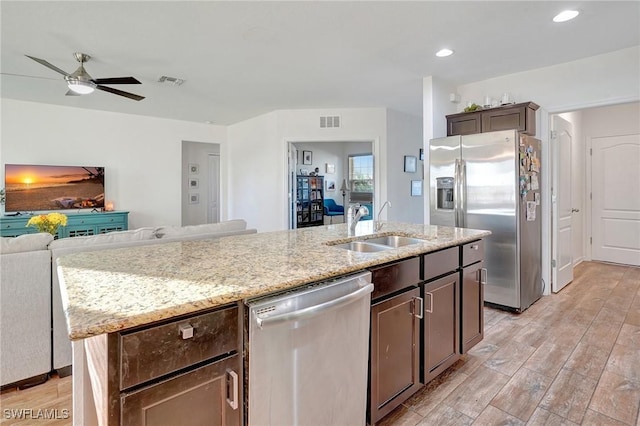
[(362, 247), (372, 245), (395, 241)]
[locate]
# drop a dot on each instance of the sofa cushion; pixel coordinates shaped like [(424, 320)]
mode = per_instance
[(111, 237), (209, 228), (26, 242)]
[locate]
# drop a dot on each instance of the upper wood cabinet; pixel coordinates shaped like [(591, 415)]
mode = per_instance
[(521, 117)]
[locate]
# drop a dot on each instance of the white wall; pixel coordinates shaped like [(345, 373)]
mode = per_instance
[(404, 137), (141, 155), (596, 81), (435, 106), (258, 157)]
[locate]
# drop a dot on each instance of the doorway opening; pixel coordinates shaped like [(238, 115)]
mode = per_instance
[(596, 215), (328, 175), (200, 183)]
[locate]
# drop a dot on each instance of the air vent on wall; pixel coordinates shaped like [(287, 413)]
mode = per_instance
[(330, 121), (170, 80)]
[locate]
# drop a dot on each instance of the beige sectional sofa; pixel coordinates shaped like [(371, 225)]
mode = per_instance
[(32, 275), (25, 308)]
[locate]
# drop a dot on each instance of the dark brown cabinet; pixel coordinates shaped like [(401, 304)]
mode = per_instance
[(186, 370), (395, 352), (441, 343), (206, 396), (521, 117), (394, 355), (472, 295), (441, 294)]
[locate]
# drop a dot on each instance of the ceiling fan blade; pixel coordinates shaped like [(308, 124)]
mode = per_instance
[(29, 76), (48, 65), (116, 80), (121, 93)]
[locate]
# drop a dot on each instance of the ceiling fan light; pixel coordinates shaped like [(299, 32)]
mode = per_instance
[(81, 87)]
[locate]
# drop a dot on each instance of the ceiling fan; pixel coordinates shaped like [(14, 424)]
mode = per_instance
[(81, 83)]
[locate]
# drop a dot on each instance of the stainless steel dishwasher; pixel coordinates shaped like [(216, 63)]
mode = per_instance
[(308, 354)]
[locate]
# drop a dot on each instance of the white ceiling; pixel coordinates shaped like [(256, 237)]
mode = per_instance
[(243, 59)]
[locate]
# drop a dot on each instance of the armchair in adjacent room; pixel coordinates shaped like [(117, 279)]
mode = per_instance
[(332, 209)]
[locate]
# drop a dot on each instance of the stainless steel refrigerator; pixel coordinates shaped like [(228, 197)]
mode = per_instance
[(492, 181)]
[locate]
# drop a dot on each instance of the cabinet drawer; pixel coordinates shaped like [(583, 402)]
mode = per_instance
[(153, 352), (472, 252), (397, 276), (208, 395), (440, 262)]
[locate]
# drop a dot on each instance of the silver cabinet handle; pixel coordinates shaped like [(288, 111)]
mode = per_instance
[(419, 312), (186, 331), (233, 401), (483, 272), (474, 247), (430, 310)]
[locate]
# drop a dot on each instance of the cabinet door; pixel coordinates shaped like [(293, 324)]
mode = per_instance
[(441, 342), (504, 119), (463, 124), (395, 353), (472, 303), (207, 396)]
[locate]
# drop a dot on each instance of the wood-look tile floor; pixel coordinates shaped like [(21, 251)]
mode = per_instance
[(572, 358)]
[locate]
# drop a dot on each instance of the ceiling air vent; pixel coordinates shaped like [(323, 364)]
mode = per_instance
[(330, 121), (170, 80)]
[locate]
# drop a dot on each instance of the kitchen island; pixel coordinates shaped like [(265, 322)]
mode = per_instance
[(109, 292)]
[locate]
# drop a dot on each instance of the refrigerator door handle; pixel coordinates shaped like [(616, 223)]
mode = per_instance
[(462, 191), (456, 193)]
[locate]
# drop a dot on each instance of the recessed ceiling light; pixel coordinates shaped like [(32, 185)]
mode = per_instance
[(565, 15), (444, 52)]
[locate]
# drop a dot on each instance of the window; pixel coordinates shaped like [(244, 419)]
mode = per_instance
[(361, 177)]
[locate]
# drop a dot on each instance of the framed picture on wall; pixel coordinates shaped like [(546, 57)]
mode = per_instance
[(331, 185), (193, 183), (307, 157), (410, 164), (416, 188), (194, 169), (194, 198)]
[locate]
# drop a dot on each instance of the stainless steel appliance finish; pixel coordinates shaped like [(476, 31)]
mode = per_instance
[(492, 187), (308, 354)]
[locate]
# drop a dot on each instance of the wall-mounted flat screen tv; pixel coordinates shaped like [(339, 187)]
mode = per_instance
[(31, 188)]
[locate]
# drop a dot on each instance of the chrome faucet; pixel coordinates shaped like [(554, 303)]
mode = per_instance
[(354, 213), (379, 224)]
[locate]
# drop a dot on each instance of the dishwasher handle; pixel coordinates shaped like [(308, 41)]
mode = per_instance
[(314, 310)]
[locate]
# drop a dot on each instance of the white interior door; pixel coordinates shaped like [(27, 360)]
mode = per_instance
[(562, 132), (213, 208), (615, 207)]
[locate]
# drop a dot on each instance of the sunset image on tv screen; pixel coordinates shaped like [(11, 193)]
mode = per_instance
[(34, 188)]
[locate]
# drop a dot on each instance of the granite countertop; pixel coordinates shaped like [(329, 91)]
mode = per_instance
[(111, 290)]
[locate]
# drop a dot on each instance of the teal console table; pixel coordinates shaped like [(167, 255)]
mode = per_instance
[(78, 224)]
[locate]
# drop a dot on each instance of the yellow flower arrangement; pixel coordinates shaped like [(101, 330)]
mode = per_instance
[(48, 222)]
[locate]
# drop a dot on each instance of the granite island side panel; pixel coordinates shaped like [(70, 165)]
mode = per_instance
[(116, 289)]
